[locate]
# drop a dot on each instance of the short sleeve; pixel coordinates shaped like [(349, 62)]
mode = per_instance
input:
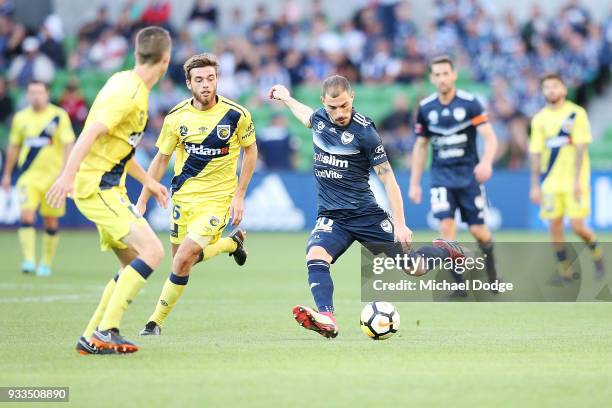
[(373, 148), (536, 140), (246, 130), (16, 135), (478, 116), (581, 133), (66, 134), (168, 138), (420, 126), (111, 113)]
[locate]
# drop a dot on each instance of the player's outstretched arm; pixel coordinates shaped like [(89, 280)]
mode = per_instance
[(535, 192), (156, 170), (419, 154), (299, 110), (158, 191), (249, 160), (11, 160), (385, 173), (64, 184), (484, 168)]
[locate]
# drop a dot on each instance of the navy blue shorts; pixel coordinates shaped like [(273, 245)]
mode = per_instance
[(337, 235), (470, 200)]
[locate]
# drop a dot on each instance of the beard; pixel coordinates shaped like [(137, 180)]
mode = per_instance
[(553, 100), (205, 100)]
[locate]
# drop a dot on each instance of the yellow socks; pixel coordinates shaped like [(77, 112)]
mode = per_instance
[(27, 238), (172, 291), (226, 245), (97, 316), (130, 281), (49, 245)]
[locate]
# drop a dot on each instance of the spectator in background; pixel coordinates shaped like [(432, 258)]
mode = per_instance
[(166, 98), (6, 8), (276, 145), (73, 102), (79, 60), (109, 51), (31, 65), (272, 73), (94, 29), (12, 35), (204, 17), (51, 47), (396, 131), (6, 103), (157, 13)]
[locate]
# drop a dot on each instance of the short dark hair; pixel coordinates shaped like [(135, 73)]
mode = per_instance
[(38, 82), (335, 85), (552, 75), (151, 44), (441, 59), (200, 61)]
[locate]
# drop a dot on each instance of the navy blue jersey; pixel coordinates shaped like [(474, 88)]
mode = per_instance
[(452, 131), (342, 159)]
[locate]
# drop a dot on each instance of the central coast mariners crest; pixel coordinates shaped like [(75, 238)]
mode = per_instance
[(223, 132)]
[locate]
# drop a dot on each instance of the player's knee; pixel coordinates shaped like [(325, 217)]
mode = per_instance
[(27, 217), (481, 233), (317, 252)]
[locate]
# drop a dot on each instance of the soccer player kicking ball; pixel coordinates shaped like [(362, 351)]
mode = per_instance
[(41, 139), (207, 132), (346, 146), (451, 119), (95, 177), (560, 171)]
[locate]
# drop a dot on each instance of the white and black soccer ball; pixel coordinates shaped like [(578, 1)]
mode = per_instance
[(379, 320)]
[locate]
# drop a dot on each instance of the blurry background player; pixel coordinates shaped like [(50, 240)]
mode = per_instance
[(207, 132), (40, 140), (346, 147), (451, 119), (95, 177), (560, 170)]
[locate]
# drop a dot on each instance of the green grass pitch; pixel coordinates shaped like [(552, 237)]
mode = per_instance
[(232, 341)]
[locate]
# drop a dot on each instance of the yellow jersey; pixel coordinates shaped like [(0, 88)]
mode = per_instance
[(207, 145), (42, 137), (554, 132), (122, 106)]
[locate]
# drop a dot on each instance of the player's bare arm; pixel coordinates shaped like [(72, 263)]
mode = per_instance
[(64, 184), (535, 194), (156, 170), (484, 169), (159, 192), (11, 160), (385, 173), (419, 155), (249, 160), (580, 153), (299, 110)]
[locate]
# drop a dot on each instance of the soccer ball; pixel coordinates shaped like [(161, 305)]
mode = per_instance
[(379, 320)]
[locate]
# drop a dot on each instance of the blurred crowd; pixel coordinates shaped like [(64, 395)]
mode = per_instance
[(298, 44)]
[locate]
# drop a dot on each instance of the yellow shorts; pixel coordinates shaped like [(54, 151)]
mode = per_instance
[(113, 214), (198, 221), (557, 205), (32, 197)]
